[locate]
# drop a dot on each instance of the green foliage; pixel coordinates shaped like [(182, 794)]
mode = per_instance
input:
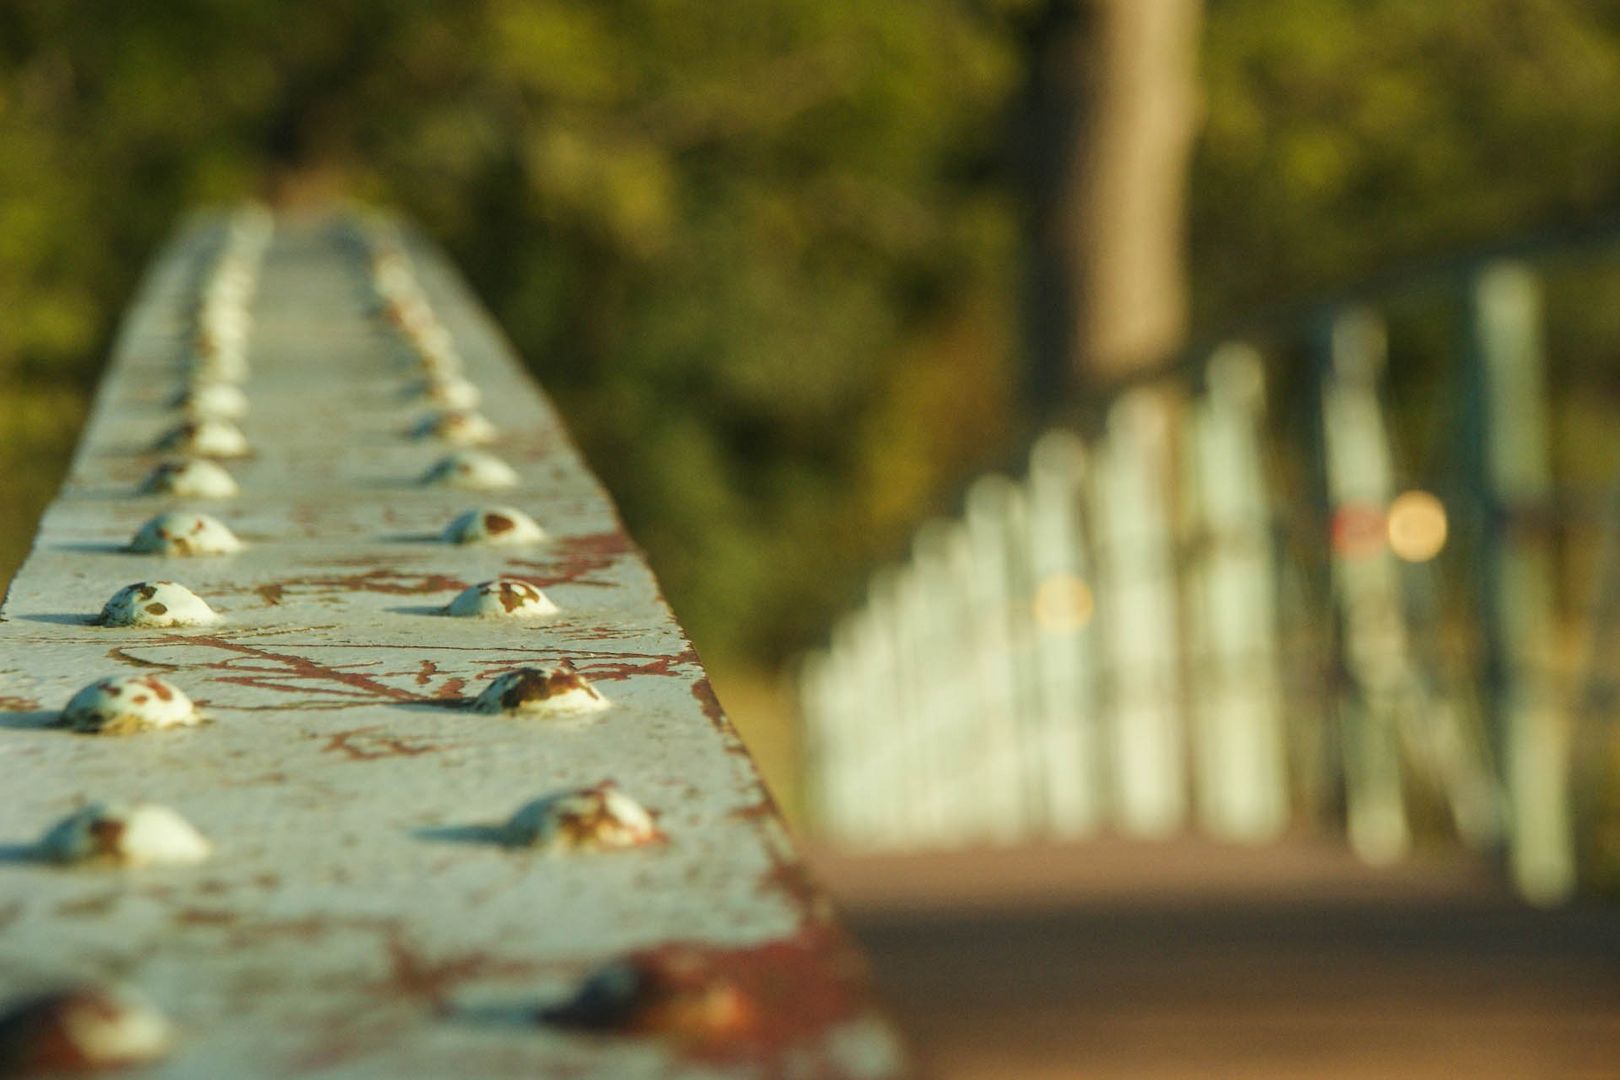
[(1344, 135), (761, 250), (717, 231)]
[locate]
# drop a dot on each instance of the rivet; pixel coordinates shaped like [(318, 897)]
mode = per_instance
[(673, 991), (131, 837), (438, 359), (432, 341), (504, 598), (124, 704), (224, 319), (477, 470), (391, 274), (217, 360), (494, 525), (209, 437), (206, 399), (556, 690), (81, 1029), (156, 603), (459, 427), (177, 533), (600, 818), (196, 478), (449, 391)]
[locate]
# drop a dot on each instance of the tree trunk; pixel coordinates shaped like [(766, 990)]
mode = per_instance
[(1110, 106)]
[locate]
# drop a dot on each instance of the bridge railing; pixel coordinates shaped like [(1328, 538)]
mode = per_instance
[(344, 732), (1227, 600)]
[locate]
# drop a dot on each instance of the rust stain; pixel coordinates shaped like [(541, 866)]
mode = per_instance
[(413, 976), (575, 558), (14, 703), (378, 580), (709, 702), (90, 905), (204, 917), (764, 1005), (124, 657), (364, 744), (287, 673)]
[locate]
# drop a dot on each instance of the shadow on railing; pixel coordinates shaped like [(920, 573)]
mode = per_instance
[(1227, 600)]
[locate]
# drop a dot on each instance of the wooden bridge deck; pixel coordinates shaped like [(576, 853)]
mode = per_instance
[(1193, 960)]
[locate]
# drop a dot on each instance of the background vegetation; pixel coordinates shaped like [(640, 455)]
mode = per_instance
[(762, 251)]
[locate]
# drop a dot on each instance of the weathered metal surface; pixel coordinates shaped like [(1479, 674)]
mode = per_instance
[(358, 915)]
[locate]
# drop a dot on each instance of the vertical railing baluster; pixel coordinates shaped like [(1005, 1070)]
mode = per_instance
[(992, 504), (1236, 698), (944, 695), (1062, 605), (1366, 586), (1138, 618), (1513, 478)]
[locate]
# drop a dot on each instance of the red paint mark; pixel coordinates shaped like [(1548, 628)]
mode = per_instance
[(364, 744)]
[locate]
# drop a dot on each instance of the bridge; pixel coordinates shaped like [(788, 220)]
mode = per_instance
[(346, 733)]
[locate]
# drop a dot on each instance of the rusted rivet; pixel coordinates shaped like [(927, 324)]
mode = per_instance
[(223, 321), (556, 690), (433, 342), (459, 427), (494, 525), (391, 274), (448, 391), (674, 992), (210, 437), (126, 836), (206, 399), (600, 818), (124, 704), (473, 469), (195, 478), (177, 533), (81, 1029), (508, 598), (217, 356), (157, 603)]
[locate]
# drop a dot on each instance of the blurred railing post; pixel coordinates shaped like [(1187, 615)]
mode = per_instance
[(1063, 603), (1234, 694), (1366, 590), (1513, 490), (1138, 618)]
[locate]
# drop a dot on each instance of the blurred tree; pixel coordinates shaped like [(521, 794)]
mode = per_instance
[(1109, 111), (753, 246)]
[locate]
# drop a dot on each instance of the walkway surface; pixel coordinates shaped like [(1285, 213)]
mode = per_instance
[(1192, 960)]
